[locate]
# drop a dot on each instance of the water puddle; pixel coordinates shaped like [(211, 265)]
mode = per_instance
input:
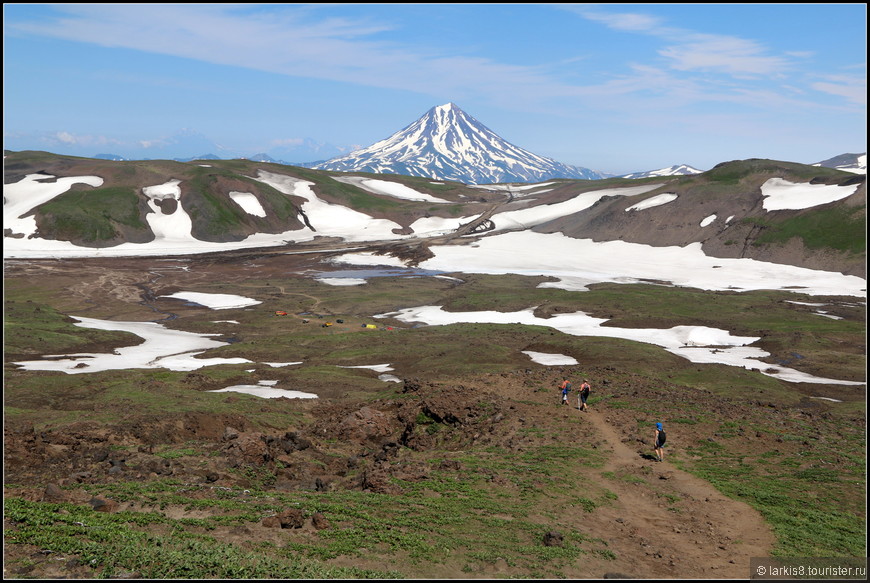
[(379, 272)]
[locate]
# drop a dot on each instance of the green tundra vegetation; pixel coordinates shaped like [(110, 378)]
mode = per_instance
[(797, 459), (812, 496)]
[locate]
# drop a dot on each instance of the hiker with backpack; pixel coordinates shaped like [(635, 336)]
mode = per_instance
[(583, 394), (566, 387), (661, 437)]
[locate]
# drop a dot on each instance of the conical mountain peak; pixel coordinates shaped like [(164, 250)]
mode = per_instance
[(448, 144)]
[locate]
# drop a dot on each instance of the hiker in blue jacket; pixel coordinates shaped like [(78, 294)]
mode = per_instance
[(583, 394), (660, 442)]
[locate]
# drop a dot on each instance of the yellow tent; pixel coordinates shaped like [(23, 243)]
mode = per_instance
[(372, 326)]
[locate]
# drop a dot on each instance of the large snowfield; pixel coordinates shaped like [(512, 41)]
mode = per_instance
[(574, 263)]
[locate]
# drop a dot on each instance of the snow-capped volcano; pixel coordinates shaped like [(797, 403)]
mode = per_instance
[(448, 144)]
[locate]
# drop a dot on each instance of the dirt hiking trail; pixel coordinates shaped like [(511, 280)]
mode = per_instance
[(680, 525)]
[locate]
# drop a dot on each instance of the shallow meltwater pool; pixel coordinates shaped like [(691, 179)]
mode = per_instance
[(378, 272)]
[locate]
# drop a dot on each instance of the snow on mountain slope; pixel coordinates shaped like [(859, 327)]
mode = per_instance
[(781, 194), (448, 144), (676, 170), (856, 163), (536, 215), (173, 234), (389, 188), (30, 192), (511, 247)]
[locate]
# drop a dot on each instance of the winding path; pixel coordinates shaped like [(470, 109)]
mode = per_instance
[(737, 531)]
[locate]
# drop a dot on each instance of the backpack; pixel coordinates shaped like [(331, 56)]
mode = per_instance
[(662, 437)]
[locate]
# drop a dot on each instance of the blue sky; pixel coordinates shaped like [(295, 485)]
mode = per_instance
[(616, 88)]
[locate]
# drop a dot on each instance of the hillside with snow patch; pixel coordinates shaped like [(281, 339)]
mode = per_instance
[(65, 207)]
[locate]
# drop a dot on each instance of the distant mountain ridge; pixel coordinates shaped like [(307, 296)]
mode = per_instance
[(263, 157), (448, 144), (856, 163), (676, 170), (203, 157)]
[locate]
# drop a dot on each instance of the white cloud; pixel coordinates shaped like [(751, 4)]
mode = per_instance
[(65, 137), (286, 41), (700, 67), (853, 88), (296, 40), (731, 55), (288, 142), (70, 139), (694, 50), (628, 21)]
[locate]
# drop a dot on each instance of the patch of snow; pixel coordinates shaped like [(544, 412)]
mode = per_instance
[(550, 359), (163, 348), (694, 343), (342, 281), (249, 203), (653, 201), (332, 219), (20, 198), (215, 301), (265, 392), (280, 364), (576, 262), (368, 258), (374, 367), (526, 218), (781, 194), (386, 187), (827, 315)]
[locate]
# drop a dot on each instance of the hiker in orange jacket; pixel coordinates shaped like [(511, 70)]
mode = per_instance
[(566, 387)]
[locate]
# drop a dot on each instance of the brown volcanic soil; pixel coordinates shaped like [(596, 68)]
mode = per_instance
[(711, 536), (704, 535)]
